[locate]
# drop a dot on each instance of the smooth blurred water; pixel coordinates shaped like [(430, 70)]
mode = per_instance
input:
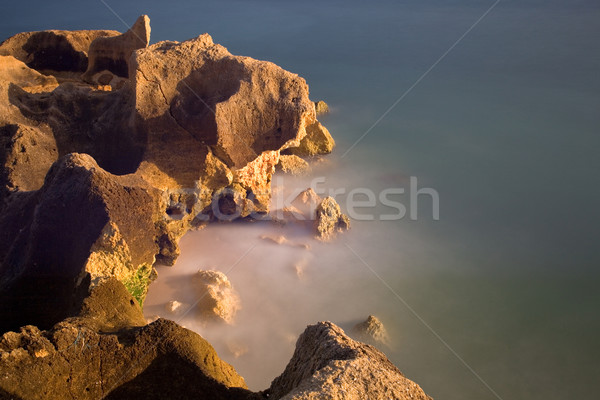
[(505, 128)]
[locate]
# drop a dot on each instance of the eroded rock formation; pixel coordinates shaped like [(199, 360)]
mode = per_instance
[(327, 364), (329, 219), (217, 299), (191, 133), (371, 331), (108, 351)]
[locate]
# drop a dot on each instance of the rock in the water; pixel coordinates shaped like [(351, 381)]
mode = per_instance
[(174, 307), (317, 141), (113, 53), (306, 203), (327, 364), (330, 219), (107, 352), (321, 107), (371, 331), (293, 165), (218, 301)]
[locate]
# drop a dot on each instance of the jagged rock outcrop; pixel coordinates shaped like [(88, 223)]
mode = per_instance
[(112, 53), (107, 352), (371, 331), (193, 134), (53, 50), (217, 299), (317, 141), (329, 219), (293, 165), (327, 364), (82, 226), (321, 107)]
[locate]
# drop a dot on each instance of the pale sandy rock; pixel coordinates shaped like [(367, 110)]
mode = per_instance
[(306, 203), (327, 364), (321, 107), (113, 53), (329, 219), (217, 299), (293, 165), (371, 331), (175, 307), (317, 141)]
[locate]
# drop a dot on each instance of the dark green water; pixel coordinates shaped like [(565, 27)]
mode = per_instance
[(506, 128)]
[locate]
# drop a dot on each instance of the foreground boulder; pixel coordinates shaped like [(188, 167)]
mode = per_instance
[(327, 364), (107, 352)]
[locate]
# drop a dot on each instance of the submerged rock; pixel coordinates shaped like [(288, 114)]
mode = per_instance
[(371, 331), (330, 219), (217, 299), (327, 364)]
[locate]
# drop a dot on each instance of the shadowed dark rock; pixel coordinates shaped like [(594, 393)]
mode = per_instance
[(106, 352)]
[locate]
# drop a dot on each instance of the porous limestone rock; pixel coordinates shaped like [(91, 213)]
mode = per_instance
[(218, 300), (107, 352), (82, 226), (329, 219), (113, 53), (317, 141), (371, 331), (293, 165), (53, 50), (321, 107), (327, 364)]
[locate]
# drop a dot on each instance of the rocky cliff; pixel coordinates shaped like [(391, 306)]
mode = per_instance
[(111, 149)]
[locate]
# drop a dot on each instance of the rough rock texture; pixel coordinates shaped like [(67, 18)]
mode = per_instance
[(329, 219), (188, 134), (218, 300), (317, 141), (107, 352), (371, 331), (293, 165), (82, 226), (113, 53), (321, 107), (327, 364), (53, 50)]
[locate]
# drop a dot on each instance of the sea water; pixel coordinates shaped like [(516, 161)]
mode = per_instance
[(495, 299)]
